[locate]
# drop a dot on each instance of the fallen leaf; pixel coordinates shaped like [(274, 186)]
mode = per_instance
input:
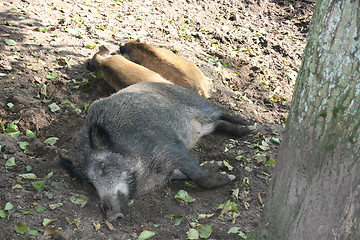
[(97, 226), (55, 205), (53, 107), (10, 163), (51, 230), (146, 235), (21, 228), (51, 140), (34, 233), (39, 185), (10, 42), (79, 199), (47, 221), (109, 225), (205, 216), (16, 186), (184, 196), (8, 206), (192, 234), (2, 214)]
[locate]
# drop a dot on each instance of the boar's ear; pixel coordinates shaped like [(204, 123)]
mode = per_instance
[(99, 138), (138, 40), (104, 51)]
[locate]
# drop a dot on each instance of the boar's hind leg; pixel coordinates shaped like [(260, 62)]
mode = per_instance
[(227, 117), (233, 129), (205, 177), (233, 125)]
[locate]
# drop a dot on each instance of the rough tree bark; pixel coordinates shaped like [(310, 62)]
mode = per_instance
[(315, 191)]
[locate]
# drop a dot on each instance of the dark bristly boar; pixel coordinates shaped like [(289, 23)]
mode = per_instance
[(139, 138), (169, 65), (119, 72)]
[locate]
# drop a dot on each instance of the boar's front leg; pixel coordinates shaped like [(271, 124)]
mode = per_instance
[(207, 176)]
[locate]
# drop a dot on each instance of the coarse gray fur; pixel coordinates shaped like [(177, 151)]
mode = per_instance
[(139, 138)]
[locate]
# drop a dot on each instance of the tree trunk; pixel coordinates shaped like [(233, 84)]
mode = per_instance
[(315, 192)]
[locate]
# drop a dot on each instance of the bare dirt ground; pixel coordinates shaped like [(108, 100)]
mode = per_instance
[(250, 49)]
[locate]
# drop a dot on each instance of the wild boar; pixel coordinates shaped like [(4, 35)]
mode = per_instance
[(169, 65), (139, 138), (119, 72)]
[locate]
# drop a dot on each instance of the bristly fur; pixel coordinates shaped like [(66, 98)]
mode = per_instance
[(69, 167)]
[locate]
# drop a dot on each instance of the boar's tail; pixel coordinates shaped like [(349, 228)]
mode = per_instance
[(69, 167)]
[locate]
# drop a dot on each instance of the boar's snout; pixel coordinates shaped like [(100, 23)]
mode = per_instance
[(114, 206)]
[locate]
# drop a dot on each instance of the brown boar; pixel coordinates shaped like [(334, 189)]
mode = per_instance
[(169, 65)]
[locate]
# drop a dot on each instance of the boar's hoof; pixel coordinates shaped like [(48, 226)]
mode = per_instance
[(252, 127), (212, 166), (215, 178), (230, 176)]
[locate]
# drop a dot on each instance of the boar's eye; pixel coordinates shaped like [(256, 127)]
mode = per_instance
[(102, 168)]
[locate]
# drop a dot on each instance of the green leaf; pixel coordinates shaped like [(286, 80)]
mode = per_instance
[(10, 42), (34, 233), (12, 127), (50, 175), (52, 76), (78, 110), (103, 26), (28, 176), (184, 196), (79, 199), (189, 184), (8, 206), (86, 106), (264, 146), (10, 163), (26, 212), (22, 145), (205, 231), (39, 185), (243, 235), (227, 164), (30, 134), (55, 205), (146, 234), (192, 234), (241, 158), (54, 107), (28, 168), (234, 230), (178, 218), (65, 101), (275, 140), (51, 140), (55, 184), (90, 46), (10, 105), (40, 208), (21, 228), (27, 151), (2, 214), (14, 134), (269, 163)]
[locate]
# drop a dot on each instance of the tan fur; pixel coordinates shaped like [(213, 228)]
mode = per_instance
[(119, 72), (169, 65)]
